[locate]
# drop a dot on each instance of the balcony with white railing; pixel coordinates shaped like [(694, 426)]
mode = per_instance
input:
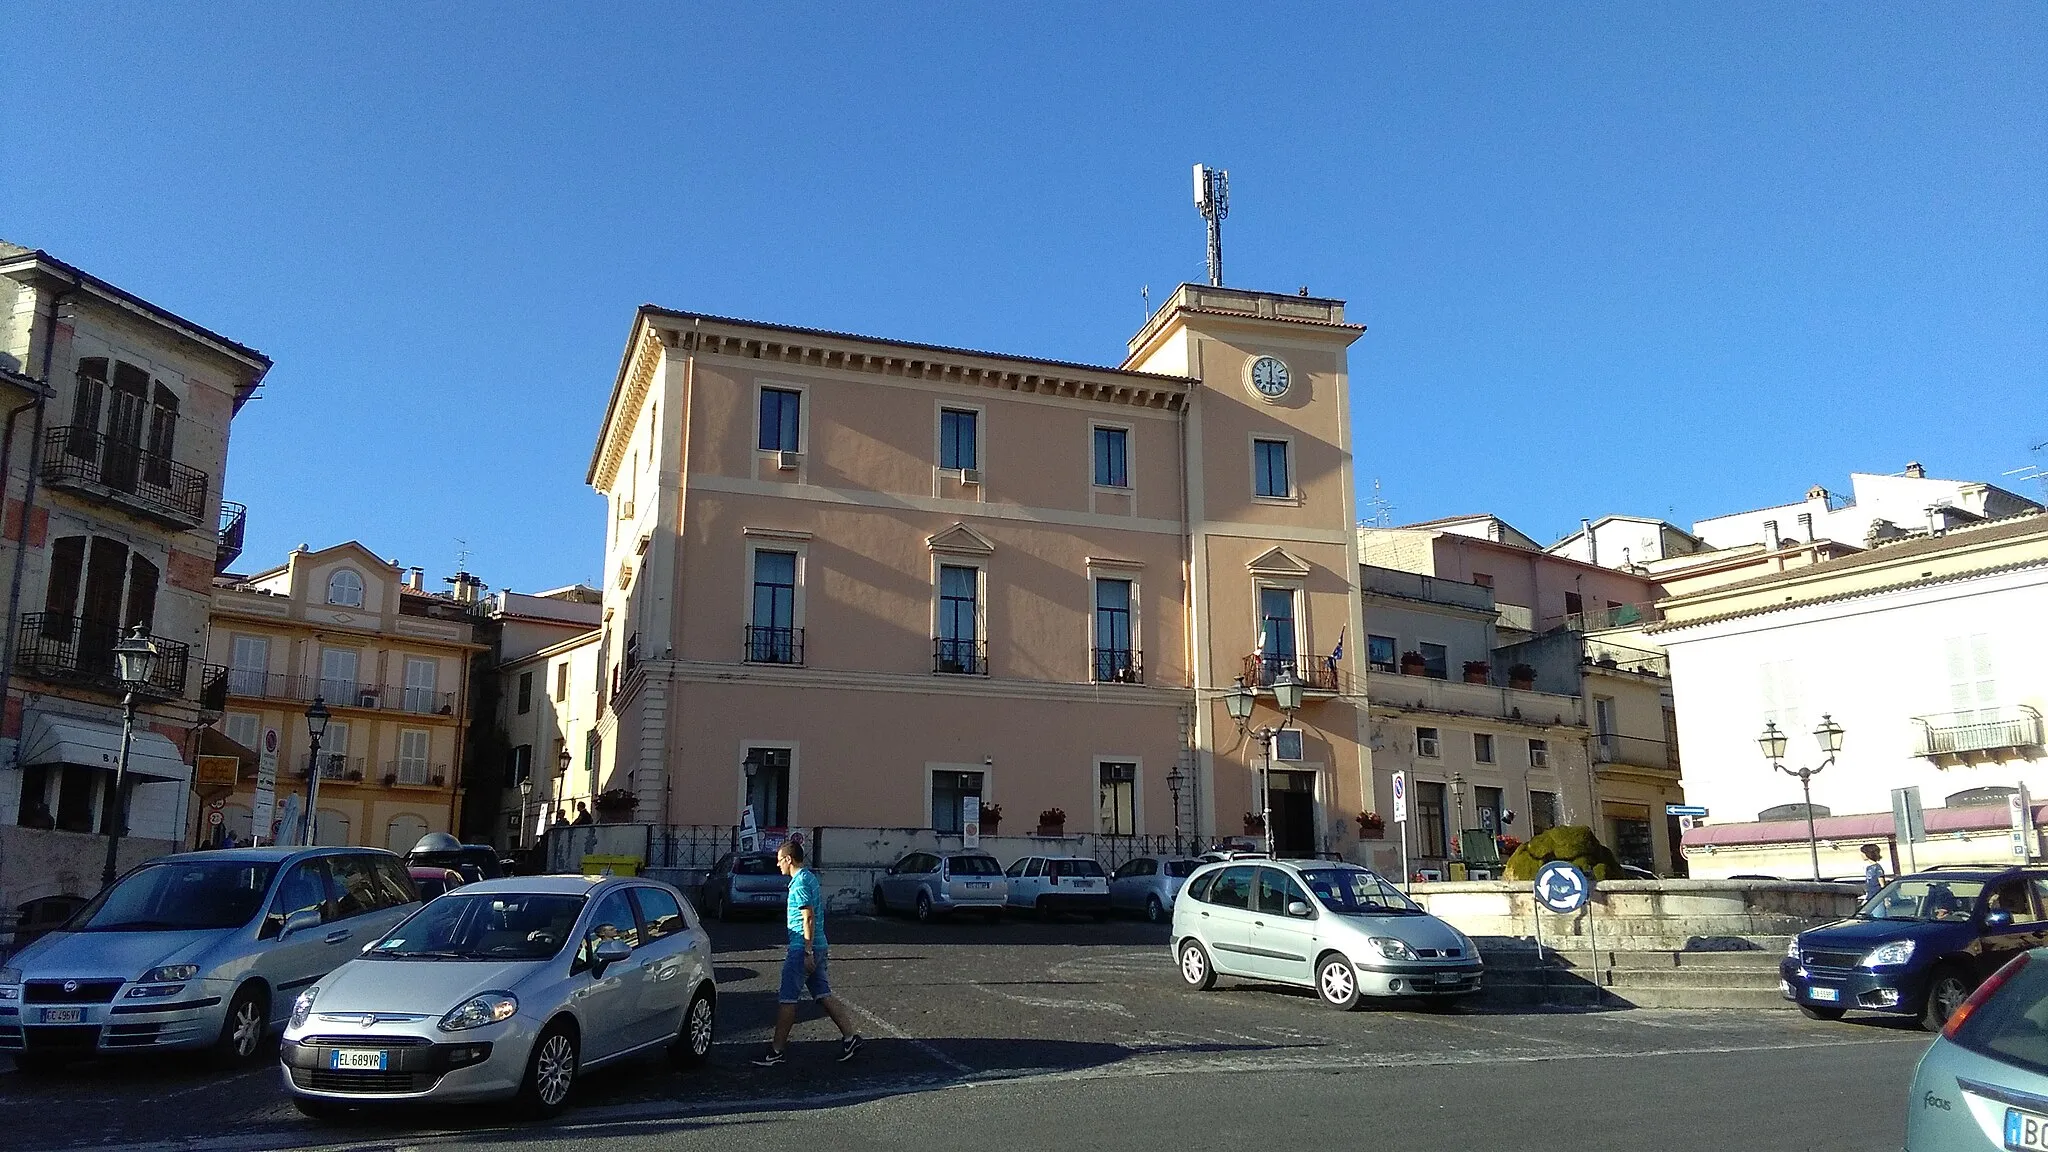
[(1457, 698), (1987, 733)]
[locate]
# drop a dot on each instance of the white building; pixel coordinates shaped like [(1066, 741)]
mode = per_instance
[(1880, 507), (1627, 542), (1930, 652)]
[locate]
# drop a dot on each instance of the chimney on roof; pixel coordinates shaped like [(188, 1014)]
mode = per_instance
[(1816, 493), (1806, 526), (466, 587), (1592, 547), (1914, 471), (416, 579), (1771, 535)]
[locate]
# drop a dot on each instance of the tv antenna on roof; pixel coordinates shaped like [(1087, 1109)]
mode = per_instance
[(1382, 508), (1212, 199)]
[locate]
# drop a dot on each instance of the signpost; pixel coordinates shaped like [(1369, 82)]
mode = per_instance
[(1909, 826), (1563, 889), (1693, 810), (264, 810), (970, 822), (1401, 822), (2021, 809)]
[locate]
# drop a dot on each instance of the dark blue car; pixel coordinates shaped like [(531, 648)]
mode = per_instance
[(1918, 947)]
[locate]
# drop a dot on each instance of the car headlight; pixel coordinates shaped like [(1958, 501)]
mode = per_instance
[(303, 1006), (169, 974), (1792, 949), (10, 983), (479, 1010), (1391, 948), (1896, 952)]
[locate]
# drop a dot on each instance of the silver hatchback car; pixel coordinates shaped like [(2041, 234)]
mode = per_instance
[(197, 950), (1984, 1081), (1337, 928), (503, 988), (934, 884)]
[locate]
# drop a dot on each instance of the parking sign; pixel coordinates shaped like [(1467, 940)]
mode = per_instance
[(1400, 797)]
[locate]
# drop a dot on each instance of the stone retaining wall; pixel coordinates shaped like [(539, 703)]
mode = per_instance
[(1675, 914)]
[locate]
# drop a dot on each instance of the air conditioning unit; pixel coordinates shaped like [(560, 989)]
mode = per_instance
[(788, 461), (625, 509), (1426, 746), (970, 476), (366, 699), (1287, 744)]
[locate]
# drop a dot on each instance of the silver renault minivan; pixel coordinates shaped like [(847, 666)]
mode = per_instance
[(197, 950)]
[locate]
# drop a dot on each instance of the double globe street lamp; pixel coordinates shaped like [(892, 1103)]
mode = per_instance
[(1240, 700), (1829, 735)]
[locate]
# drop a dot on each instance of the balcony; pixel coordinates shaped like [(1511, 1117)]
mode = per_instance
[(1456, 698), (340, 693), (1613, 616), (959, 657), (234, 524), (1634, 752), (1622, 658), (1967, 736), (144, 483), (55, 646), (213, 688), (416, 773), (1318, 674), (774, 645), (1118, 666), (338, 767)]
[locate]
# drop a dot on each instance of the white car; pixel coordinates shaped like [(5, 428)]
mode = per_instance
[(1149, 884), (503, 988), (1049, 885), (1337, 928)]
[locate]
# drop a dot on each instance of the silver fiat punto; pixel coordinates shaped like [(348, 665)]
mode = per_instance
[(501, 988), (196, 950)]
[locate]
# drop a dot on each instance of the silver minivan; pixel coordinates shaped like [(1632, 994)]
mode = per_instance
[(197, 950)]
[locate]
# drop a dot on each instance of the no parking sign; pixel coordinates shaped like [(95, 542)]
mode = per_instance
[(1400, 797)]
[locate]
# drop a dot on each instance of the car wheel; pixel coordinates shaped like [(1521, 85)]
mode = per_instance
[(881, 903), (319, 1109), (1195, 967), (243, 1031), (1155, 912), (700, 1023), (1820, 1012), (924, 907), (1946, 991), (1337, 982), (550, 1072)]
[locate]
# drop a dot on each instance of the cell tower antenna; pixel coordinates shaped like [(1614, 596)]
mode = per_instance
[(1212, 199)]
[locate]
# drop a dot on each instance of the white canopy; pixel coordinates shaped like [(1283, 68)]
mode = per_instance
[(92, 744)]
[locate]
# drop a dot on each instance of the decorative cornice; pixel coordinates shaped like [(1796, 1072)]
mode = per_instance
[(960, 540), (634, 384), (776, 533), (919, 684)]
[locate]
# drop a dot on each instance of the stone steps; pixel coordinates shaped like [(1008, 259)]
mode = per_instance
[(1644, 978)]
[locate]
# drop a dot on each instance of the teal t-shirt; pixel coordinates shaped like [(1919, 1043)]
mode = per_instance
[(803, 893)]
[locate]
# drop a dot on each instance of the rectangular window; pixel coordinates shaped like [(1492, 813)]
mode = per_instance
[(1542, 812), (1112, 458), (959, 647), (413, 745), (780, 409), (1115, 660), (1539, 753), (1482, 747), (248, 666), (334, 750), (338, 674), (1269, 467), (1379, 653), (1973, 686), (1436, 661), (1119, 799), (245, 729), (1428, 743), (521, 768), (1482, 579), (771, 634), (525, 693), (1603, 728), (1574, 605), (957, 428), (561, 681), (768, 772), (421, 672), (1431, 838), (949, 789)]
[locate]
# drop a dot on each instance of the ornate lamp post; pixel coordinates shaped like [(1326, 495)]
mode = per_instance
[(135, 659), (1240, 700), (1772, 742), (1175, 781), (1458, 807), (525, 807), (316, 727)]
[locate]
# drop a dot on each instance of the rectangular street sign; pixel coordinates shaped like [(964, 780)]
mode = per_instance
[(970, 821), (1400, 797), (1684, 810)]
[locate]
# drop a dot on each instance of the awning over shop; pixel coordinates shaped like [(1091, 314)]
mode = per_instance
[(215, 743), (91, 744)]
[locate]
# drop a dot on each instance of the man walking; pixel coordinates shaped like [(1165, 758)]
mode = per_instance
[(803, 965)]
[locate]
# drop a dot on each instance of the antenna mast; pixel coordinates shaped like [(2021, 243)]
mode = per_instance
[(1212, 199)]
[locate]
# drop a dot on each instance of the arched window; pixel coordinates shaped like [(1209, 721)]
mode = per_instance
[(345, 588), (333, 827), (404, 832)]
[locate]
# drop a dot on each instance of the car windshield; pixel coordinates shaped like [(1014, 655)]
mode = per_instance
[(1182, 868), (484, 926), (2012, 1024), (1357, 892), (974, 866), (1073, 868), (180, 895), (754, 866), (1923, 898)]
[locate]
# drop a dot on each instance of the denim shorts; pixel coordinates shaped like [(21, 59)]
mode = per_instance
[(795, 979)]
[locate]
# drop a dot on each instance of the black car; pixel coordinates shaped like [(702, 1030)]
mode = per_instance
[(1920, 945)]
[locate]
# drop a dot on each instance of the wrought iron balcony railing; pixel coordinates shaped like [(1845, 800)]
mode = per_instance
[(339, 693), (57, 646), (774, 645), (142, 481), (1636, 751), (1316, 673), (960, 657), (1964, 734), (417, 773), (1119, 666), (234, 526)]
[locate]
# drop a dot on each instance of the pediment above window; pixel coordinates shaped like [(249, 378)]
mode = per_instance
[(1277, 561), (960, 540)]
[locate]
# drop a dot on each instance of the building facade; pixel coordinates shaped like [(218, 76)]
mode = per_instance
[(390, 663), (113, 455), (541, 644), (862, 582)]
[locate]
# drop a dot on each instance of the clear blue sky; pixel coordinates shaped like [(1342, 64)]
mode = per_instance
[(1642, 258)]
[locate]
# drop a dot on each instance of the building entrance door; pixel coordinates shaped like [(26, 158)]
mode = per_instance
[(1294, 813)]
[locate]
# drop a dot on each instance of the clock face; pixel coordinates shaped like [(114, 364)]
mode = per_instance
[(1269, 377)]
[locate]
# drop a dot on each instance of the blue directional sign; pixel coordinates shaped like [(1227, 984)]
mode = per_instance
[(1562, 888), (1684, 810)]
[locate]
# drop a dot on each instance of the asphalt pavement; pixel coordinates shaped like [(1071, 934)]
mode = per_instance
[(1065, 1035)]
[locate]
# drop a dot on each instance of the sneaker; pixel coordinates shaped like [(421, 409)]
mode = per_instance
[(770, 1059), (849, 1046)]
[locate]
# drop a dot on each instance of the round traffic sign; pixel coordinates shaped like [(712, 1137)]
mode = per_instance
[(213, 818), (1562, 888), (1400, 789)]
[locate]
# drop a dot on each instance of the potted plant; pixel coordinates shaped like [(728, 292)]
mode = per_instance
[(1508, 844), (1476, 671), (390, 778), (615, 805), (1052, 822), (440, 780), (1521, 676), (1254, 824), (355, 775), (991, 818), (1412, 664), (1371, 826)]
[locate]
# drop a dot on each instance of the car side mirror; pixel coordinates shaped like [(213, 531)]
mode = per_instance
[(298, 922), (608, 953), (1298, 908), (1998, 920)]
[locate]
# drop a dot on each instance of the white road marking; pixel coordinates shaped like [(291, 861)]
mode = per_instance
[(1055, 1003), (895, 1033)]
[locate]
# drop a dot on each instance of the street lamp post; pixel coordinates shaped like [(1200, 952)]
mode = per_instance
[(1175, 780), (316, 727), (1458, 807), (135, 660), (1772, 742), (1239, 700), (525, 806)]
